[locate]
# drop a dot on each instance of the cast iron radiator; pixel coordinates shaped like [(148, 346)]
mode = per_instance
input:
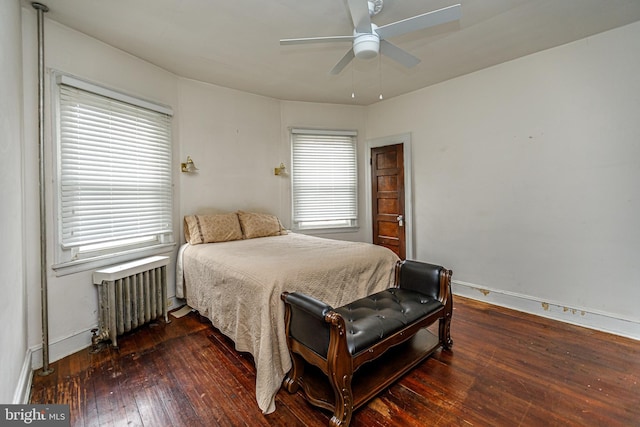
[(130, 295)]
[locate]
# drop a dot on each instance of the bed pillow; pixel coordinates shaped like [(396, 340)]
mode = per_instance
[(212, 228), (259, 225)]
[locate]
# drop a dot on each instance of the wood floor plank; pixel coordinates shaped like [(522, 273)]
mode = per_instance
[(210, 384), (506, 369), (141, 385)]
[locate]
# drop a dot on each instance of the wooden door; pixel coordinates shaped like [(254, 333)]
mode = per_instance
[(387, 181)]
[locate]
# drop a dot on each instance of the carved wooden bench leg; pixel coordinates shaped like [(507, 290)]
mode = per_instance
[(444, 329), (290, 382), (340, 367), (344, 401), (444, 324)]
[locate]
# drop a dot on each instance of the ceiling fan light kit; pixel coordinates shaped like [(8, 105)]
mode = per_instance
[(366, 46), (369, 40)]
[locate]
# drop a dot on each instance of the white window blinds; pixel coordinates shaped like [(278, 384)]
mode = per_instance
[(114, 170), (324, 179)]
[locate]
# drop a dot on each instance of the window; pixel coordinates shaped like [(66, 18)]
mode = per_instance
[(113, 172), (324, 179)]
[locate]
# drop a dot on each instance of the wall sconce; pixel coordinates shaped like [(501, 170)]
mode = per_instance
[(280, 170), (189, 166)]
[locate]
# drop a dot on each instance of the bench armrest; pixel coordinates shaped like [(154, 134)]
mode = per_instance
[(428, 279), (309, 304), (307, 323)]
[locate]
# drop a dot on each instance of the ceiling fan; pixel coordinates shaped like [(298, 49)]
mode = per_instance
[(368, 39)]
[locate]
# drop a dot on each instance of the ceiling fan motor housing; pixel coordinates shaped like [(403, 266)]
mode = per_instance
[(366, 45)]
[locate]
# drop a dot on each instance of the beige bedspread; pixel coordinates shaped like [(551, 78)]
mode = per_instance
[(237, 285)]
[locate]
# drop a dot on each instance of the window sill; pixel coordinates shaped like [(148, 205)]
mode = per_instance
[(335, 230), (78, 266)]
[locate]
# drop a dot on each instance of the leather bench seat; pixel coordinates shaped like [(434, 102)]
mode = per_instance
[(372, 318)]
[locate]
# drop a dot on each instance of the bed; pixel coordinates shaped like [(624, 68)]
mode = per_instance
[(236, 282)]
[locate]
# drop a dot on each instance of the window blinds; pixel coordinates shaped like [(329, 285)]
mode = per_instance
[(114, 169), (324, 177)]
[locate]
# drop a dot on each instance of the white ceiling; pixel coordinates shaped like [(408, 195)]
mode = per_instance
[(235, 43)]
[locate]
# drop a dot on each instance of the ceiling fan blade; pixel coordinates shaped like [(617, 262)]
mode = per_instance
[(359, 10), (419, 22), (343, 62), (397, 54), (316, 40)]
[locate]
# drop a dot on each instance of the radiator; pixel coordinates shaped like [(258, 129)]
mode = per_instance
[(130, 295)]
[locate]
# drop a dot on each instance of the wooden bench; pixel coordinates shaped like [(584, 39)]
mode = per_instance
[(342, 357)]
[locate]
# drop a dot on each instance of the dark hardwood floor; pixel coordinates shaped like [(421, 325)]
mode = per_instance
[(506, 369)]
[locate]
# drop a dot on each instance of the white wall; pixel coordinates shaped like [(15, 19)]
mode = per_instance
[(73, 305), (13, 321), (233, 139), (527, 178)]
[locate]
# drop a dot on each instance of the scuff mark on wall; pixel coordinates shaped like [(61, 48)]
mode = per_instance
[(573, 311), (545, 306), (484, 292)]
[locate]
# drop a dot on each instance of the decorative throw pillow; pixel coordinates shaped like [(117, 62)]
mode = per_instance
[(212, 228), (259, 225)]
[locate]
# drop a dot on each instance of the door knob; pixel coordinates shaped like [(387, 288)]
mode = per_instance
[(400, 220)]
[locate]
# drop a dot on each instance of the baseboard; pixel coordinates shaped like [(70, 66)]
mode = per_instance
[(579, 316), (73, 343), (22, 393), (61, 347)]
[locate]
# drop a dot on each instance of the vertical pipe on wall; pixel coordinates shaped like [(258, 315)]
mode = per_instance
[(46, 370)]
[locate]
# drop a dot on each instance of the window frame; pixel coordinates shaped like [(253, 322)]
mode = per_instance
[(71, 260), (349, 225)]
